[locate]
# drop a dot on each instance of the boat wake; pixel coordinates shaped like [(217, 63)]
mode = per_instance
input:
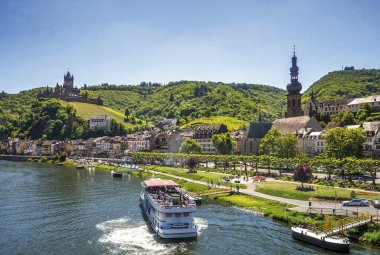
[(202, 224), (130, 237)]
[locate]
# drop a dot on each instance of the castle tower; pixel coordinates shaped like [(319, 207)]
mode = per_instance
[(294, 88), (68, 82)]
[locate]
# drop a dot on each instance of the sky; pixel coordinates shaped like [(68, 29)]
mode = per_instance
[(129, 41)]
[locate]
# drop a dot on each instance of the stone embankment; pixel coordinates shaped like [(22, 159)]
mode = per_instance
[(21, 157)]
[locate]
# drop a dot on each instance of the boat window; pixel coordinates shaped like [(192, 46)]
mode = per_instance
[(177, 215), (168, 215), (186, 214)]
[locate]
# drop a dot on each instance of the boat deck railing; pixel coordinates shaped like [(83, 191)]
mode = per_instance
[(185, 201), (344, 224)]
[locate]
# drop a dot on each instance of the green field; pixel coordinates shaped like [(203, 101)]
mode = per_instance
[(269, 208), (230, 122), (288, 190), (85, 111)]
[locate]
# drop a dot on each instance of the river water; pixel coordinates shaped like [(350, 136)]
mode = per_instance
[(48, 209)]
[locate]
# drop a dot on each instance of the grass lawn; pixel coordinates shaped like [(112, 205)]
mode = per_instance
[(273, 209), (199, 176), (288, 190), (193, 188)]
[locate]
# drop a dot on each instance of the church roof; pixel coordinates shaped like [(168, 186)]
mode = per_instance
[(333, 124), (294, 124), (258, 130)]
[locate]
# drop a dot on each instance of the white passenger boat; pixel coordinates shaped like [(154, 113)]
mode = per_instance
[(168, 209)]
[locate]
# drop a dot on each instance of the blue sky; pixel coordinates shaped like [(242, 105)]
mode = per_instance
[(126, 42)]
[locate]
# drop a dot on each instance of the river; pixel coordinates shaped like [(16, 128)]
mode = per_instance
[(49, 209)]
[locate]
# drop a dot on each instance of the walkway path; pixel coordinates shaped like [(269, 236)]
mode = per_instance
[(301, 206)]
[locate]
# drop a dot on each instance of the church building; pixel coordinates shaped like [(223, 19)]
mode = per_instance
[(294, 88)]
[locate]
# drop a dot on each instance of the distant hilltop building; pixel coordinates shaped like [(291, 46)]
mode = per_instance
[(68, 92)]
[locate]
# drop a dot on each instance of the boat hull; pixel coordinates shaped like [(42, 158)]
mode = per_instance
[(117, 174), (337, 247), (189, 233)]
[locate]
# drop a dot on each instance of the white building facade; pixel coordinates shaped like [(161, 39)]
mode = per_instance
[(102, 122)]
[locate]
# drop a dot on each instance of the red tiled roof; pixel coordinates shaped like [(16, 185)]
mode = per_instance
[(157, 183)]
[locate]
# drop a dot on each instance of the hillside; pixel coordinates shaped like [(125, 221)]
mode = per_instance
[(87, 110), (230, 122), (190, 100), (345, 84)]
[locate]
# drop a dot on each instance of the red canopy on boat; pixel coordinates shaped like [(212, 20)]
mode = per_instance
[(157, 183)]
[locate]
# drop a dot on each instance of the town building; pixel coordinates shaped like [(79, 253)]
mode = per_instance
[(204, 133), (371, 145), (101, 122), (142, 141), (358, 103), (255, 133), (298, 126), (335, 106), (240, 138), (294, 88), (314, 143), (177, 138), (167, 124)]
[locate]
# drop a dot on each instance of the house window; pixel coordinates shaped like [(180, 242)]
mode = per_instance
[(186, 214), (169, 215), (177, 215)]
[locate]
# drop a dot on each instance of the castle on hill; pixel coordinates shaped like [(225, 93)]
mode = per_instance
[(68, 92)]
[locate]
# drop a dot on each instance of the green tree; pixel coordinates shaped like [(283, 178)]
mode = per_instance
[(342, 142), (270, 144), (224, 143), (371, 167), (302, 174), (347, 118), (127, 113), (350, 164), (287, 146), (190, 146)]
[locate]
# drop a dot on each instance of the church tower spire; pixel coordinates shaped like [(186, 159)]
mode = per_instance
[(294, 88)]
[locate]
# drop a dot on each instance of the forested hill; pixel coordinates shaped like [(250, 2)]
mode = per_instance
[(345, 84), (189, 100), (25, 115)]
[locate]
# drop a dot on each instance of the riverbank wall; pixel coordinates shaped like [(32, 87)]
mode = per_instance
[(22, 157)]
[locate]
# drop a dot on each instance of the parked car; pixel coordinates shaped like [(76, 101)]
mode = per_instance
[(356, 202), (376, 204), (321, 169)]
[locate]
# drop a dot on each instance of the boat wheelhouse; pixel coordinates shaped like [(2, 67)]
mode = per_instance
[(168, 209)]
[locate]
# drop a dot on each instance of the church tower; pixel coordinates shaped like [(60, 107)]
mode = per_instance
[(68, 82), (294, 88)]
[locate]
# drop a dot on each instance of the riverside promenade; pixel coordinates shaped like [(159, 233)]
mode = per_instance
[(300, 205)]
